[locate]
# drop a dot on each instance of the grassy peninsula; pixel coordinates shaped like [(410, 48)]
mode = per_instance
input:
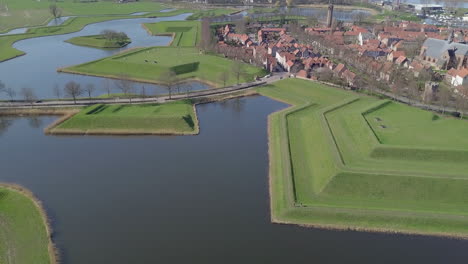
[(329, 169), (182, 57), (177, 118), (99, 41), (24, 231)]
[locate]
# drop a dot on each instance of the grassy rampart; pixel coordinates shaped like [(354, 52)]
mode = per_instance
[(323, 172)]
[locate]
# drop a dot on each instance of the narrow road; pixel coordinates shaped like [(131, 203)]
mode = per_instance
[(142, 100)]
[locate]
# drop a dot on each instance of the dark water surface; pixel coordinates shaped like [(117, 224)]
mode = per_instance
[(186, 199)]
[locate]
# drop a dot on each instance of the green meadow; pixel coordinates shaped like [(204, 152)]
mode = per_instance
[(98, 41), (26, 13), (23, 232), (328, 167), (170, 118), (185, 33), (148, 64)]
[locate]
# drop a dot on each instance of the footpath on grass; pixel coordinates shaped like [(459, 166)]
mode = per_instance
[(141, 100)]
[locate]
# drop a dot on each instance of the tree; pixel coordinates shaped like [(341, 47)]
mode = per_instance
[(188, 89), (126, 86), (57, 92), (89, 89), (169, 78), (359, 17), (223, 77), (55, 11), (238, 69), (28, 95), (444, 98), (289, 3), (11, 93), (2, 87), (206, 42), (143, 91), (73, 89), (107, 87), (241, 26), (462, 100), (312, 21)]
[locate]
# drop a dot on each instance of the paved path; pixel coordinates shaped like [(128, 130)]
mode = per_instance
[(142, 100)]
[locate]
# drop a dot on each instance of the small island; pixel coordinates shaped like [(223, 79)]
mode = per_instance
[(108, 39)]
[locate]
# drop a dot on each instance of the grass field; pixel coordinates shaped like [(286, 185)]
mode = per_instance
[(24, 234), (328, 168), (98, 41), (186, 33), (170, 118), (23, 13), (109, 10), (149, 63)]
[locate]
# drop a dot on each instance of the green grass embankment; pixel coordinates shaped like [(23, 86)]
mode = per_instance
[(24, 229), (185, 33), (146, 65), (98, 41), (73, 25), (26, 13), (176, 118), (322, 172)]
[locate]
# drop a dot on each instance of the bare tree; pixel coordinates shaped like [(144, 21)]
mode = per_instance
[(444, 98), (126, 86), (55, 11), (462, 100), (57, 92), (143, 91), (73, 89), (223, 77), (11, 93), (2, 87), (188, 89), (169, 78), (241, 26), (89, 89), (359, 17), (206, 41), (28, 95), (107, 87), (238, 69)]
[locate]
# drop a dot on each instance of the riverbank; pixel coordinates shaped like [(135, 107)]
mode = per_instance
[(325, 170), (25, 228)]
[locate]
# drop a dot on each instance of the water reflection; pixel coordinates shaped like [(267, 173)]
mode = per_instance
[(5, 123), (35, 121)]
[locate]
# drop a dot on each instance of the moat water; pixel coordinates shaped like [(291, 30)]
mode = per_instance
[(38, 68), (183, 199)]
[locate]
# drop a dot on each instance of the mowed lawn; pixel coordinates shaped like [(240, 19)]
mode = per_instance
[(321, 175), (23, 232), (98, 41), (170, 118), (186, 33), (148, 64), (398, 124)]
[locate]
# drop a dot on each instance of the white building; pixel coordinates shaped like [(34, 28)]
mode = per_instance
[(465, 18)]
